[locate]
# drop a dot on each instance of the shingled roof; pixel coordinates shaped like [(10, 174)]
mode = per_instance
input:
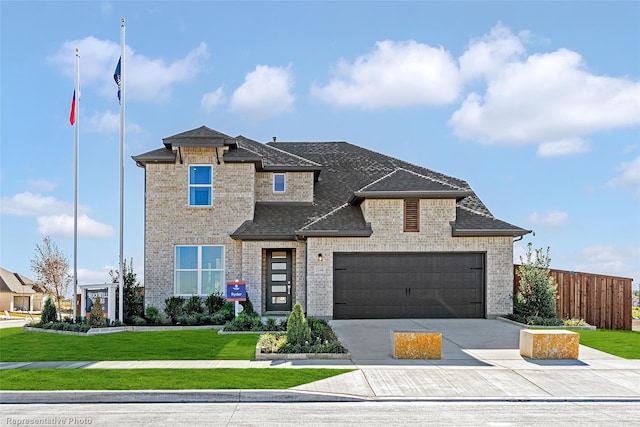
[(345, 175), (350, 174)]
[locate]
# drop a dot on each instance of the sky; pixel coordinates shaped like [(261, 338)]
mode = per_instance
[(535, 104)]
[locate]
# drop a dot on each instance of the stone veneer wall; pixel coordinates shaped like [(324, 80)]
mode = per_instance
[(298, 187), (169, 221), (386, 218)]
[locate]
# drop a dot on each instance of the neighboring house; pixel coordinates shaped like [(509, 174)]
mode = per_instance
[(19, 293), (342, 230)]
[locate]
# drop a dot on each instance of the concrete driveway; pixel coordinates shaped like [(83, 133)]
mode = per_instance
[(466, 342)]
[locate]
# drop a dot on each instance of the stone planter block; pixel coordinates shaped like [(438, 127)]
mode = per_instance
[(549, 344), (416, 345)]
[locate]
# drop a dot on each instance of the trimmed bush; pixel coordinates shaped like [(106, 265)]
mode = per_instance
[(298, 332), (174, 308), (214, 303), (96, 317), (49, 312), (194, 306)]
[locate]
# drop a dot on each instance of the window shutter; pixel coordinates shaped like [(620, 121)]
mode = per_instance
[(412, 215)]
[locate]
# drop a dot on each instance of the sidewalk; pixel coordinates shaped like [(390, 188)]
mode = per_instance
[(480, 361)]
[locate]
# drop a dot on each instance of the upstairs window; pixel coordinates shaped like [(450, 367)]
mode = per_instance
[(200, 185), (279, 182), (412, 215)]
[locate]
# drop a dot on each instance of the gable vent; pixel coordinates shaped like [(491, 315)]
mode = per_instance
[(412, 215)]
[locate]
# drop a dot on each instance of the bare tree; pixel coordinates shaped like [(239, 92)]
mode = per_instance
[(51, 269)]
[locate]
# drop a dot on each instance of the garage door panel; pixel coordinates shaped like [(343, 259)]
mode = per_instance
[(415, 285)]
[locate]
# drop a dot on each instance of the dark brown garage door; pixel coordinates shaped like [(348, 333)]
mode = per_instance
[(408, 285)]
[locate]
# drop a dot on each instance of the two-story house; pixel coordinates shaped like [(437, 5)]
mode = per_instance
[(345, 231)]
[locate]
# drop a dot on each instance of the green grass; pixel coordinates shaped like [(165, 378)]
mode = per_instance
[(160, 379), (201, 344), (624, 344)]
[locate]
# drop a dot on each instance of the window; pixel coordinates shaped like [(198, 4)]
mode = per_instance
[(199, 270), (200, 187), (412, 215), (279, 181)]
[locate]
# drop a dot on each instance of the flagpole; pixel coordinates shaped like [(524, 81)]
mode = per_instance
[(75, 191), (120, 261)]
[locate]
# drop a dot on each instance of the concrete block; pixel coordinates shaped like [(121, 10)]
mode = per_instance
[(416, 345), (549, 344)]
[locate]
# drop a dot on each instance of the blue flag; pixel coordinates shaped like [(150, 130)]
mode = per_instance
[(117, 76)]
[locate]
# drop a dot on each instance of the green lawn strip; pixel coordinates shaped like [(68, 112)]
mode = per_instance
[(161, 379), (201, 344), (624, 344)]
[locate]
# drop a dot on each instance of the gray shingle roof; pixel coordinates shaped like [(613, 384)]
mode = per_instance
[(345, 175)]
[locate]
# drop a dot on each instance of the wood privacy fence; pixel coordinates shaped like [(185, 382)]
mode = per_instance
[(602, 301)]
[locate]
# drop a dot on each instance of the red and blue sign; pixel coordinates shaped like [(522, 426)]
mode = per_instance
[(236, 291)]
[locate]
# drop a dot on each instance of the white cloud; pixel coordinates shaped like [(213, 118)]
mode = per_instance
[(563, 147), (488, 56), (62, 226), (29, 204), (629, 175), (108, 122), (552, 219), (41, 185), (547, 98), (395, 74), (266, 92), (146, 79), (609, 260), (211, 100), (86, 276)]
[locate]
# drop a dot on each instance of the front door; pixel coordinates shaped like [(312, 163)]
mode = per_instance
[(279, 280)]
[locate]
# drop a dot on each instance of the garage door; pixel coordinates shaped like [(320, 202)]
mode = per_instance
[(408, 285)]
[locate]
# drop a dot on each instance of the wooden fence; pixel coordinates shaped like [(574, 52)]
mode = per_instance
[(602, 301)]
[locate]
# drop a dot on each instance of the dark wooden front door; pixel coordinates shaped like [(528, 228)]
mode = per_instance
[(279, 280)]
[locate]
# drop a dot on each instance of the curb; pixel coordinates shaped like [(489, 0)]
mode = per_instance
[(256, 396), (169, 396)]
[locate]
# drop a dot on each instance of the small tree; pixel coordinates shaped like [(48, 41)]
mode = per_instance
[(131, 296), (51, 269), (49, 312), (298, 332), (536, 294), (96, 317)]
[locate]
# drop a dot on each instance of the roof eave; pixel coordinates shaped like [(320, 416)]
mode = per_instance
[(453, 194), (257, 237), (469, 232), (334, 233)]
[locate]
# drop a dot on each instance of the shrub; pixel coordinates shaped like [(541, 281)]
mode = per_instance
[(575, 322), (214, 303), (320, 330), (49, 312), (187, 320), (298, 332), (194, 305), (96, 317), (137, 321), (244, 322), (271, 343), (174, 308), (536, 293), (153, 314), (247, 306)]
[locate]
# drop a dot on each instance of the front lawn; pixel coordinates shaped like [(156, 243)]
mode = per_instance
[(624, 344), (202, 344), (160, 379)]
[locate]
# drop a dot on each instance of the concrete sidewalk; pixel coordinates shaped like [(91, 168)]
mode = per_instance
[(480, 361)]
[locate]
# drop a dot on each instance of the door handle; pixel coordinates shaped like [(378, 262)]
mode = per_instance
[(289, 289)]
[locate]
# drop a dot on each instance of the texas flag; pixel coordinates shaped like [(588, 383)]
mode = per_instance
[(72, 116)]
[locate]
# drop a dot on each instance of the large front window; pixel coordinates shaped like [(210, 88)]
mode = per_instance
[(199, 270), (200, 185)]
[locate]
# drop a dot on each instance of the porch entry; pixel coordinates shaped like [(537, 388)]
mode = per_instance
[(279, 280)]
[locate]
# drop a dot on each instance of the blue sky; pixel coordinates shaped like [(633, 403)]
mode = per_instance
[(535, 104)]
